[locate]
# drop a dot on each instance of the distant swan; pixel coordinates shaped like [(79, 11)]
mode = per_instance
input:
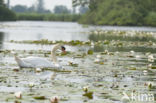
[(38, 62)]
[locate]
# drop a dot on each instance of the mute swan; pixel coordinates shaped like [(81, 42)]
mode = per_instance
[(38, 62)]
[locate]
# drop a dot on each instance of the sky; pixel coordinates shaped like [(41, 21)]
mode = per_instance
[(49, 4)]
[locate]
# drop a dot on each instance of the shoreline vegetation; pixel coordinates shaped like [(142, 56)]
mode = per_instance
[(105, 37), (6, 14), (82, 19), (120, 13), (150, 20), (48, 17)]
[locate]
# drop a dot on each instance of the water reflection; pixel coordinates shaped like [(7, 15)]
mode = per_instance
[(36, 30), (1, 39)]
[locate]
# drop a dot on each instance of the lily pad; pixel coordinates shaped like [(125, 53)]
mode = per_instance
[(40, 97), (153, 67), (89, 95), (90, 52)]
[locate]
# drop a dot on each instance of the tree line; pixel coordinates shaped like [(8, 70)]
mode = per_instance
[(58, 9), (38, 12), (119, 12)]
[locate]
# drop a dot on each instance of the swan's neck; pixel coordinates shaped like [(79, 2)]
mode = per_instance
[(53, 54)]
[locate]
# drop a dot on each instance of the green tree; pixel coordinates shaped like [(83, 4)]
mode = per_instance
[(20, 8), (80, 2), (1, 2), (83, 9), (150, 19), (61, 9), (120, 12), (5, 13), (31, 9)]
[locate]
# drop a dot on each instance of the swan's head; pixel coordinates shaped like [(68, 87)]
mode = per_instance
[(59, 47), (63, 49)]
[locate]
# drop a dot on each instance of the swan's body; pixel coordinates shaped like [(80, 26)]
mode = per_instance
[(34, 62), (38, 62)]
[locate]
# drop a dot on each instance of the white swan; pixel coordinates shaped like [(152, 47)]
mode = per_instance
[(38, 62)]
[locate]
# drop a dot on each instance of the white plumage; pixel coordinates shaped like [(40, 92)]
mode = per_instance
[(34, 62), (38, 62)]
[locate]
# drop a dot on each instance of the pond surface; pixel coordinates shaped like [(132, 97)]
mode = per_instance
[(36, 30), (107, 60)]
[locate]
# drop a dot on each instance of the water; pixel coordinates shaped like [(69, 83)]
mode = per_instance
[(119, 70), (66, 31), (30, 30), (37, 30)]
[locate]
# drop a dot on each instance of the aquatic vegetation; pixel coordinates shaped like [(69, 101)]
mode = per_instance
[(54, 100), (110, 39), (132, 68), (18, 95), (17, 101), (96, 60), (85, 89), (38, 70), (90, 52), (151, 86), (80, 55), (151, 58), (153, 67), (103, 67), (87, 93), (99, 60), (40, 97), (98, 56), (123, 38), (85, 26), (64, 53), (49, 42), (31, 84), (77, 42), (73, 64), (58, 70)]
